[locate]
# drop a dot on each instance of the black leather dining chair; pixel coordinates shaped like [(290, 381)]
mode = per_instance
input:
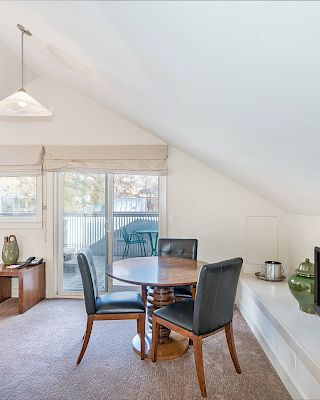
[(108, 306), (211, 311), (182, 248)]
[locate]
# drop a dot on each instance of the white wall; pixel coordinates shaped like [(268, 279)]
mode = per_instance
[(204, 204), (200, 202), (304, 235), (76, 120)]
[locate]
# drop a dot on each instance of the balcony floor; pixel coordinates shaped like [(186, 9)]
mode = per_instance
[(72, 278)]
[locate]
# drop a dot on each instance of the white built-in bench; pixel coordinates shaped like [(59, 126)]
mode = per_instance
[(289, 337)]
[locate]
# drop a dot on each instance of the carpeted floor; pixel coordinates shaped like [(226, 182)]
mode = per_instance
[(39, 350)]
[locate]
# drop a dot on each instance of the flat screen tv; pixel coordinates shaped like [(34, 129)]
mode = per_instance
[(317, 279)]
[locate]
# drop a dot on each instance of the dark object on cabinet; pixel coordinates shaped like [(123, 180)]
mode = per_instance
[(317, 280)]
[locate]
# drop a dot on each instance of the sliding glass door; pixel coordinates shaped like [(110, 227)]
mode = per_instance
[(135, 218), (135, 213), (114, 216), (83, 224)]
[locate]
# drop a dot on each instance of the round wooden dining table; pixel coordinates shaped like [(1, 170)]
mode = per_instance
[(157, 277)]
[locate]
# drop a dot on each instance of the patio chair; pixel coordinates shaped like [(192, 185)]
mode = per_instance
[(132, 238)]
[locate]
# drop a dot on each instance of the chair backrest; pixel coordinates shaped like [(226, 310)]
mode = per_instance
[(215, 297), (89, 279), (183, 248), (124, 234)]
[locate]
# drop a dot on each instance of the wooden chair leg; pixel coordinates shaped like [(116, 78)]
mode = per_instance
[(197, 346), (142, 323), (155, 339), (193, 292), (144, 295), (138, 326), (86, 339), (232, 349)]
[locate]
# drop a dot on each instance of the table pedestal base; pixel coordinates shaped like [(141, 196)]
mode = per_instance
[(171, 344), (175, 347), (159, 297)]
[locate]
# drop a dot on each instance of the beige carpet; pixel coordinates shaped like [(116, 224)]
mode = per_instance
[(39, 350)]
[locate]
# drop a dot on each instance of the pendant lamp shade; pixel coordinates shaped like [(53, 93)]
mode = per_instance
[(21, 104)]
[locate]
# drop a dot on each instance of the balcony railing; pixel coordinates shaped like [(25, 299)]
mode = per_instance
[(81, 230)]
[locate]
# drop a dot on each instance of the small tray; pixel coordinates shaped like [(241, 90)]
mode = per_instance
[(260, 275)]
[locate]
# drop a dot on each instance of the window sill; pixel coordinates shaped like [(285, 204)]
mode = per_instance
[(20, 224)]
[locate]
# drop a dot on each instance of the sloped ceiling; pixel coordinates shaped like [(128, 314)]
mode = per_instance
[(234, 84)]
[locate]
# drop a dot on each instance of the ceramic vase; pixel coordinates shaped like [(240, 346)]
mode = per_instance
[(10, 250), (301, 285)]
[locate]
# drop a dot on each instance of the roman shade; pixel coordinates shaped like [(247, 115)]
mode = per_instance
[(112, 158), (21, 160)]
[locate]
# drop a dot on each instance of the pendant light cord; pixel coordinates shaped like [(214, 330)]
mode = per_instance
[(28, 33), (22, 35)]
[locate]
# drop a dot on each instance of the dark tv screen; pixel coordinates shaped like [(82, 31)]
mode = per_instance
[(317, 279)]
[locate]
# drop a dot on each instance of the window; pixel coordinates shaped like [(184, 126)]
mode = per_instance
[(20, 198)]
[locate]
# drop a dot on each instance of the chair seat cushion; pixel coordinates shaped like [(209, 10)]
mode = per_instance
[(180, 313), (119, 303), (183, 291)]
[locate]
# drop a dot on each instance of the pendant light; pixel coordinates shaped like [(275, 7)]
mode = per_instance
[(21, 104)]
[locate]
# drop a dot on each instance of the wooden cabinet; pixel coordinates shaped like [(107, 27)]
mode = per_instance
[(31, 285)]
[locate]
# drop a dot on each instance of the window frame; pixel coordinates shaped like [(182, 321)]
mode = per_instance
[(27, 221)]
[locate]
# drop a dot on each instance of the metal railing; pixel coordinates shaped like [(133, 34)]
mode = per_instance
[(81, 230)]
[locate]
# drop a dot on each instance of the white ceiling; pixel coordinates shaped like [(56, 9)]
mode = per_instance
[(234, 84)]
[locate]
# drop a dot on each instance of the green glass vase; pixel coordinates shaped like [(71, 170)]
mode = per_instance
[(301, 285), (10, 250)]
